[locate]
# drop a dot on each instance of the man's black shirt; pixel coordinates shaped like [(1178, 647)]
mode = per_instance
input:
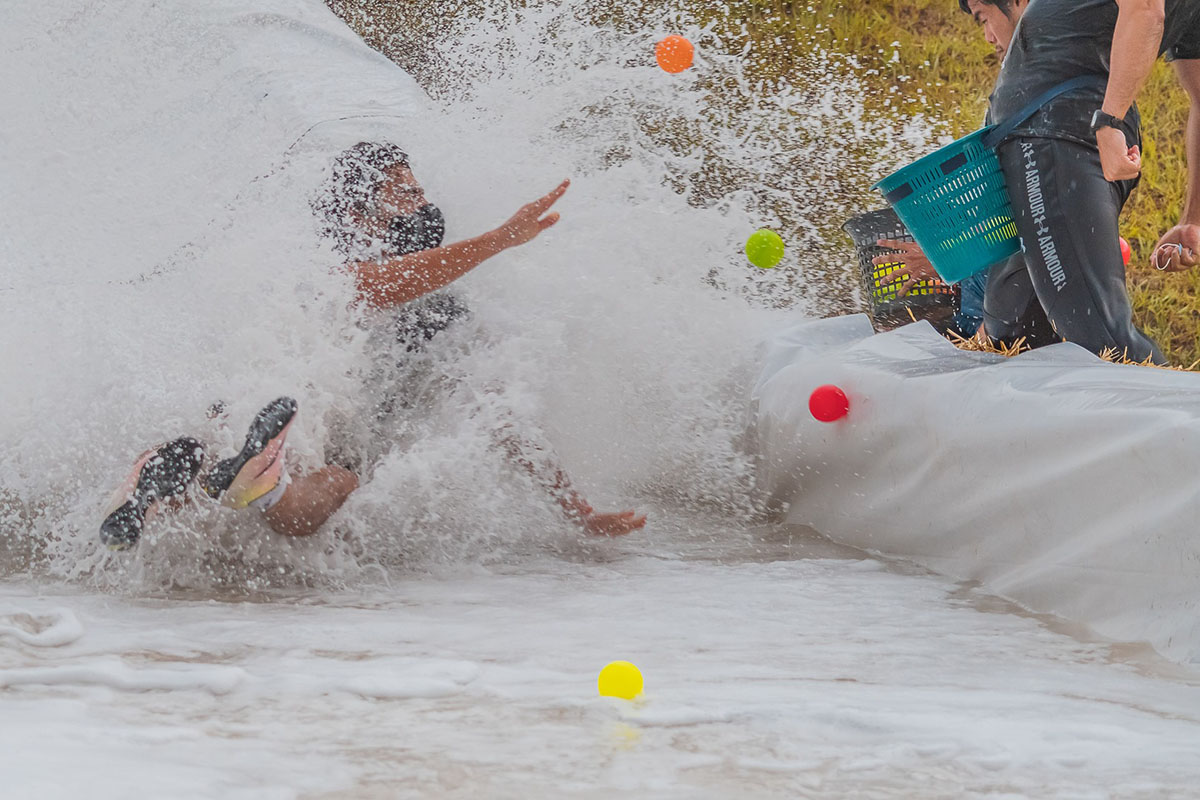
[(1057, 40)]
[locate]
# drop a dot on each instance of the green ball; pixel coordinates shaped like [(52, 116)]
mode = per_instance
[(764, 248)]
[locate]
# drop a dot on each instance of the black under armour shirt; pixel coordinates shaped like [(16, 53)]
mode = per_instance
[(1057, 40)]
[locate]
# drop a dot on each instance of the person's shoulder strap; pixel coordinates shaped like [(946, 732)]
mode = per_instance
[(1001, 130)]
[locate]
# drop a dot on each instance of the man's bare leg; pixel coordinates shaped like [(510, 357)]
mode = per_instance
[(310, 500), (257, 477)]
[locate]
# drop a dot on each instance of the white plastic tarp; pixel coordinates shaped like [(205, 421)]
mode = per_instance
[(1064, 482)]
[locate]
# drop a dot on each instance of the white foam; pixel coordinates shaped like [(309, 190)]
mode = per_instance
[(163, 256), (115, 675), (57, 628), (791, 676)]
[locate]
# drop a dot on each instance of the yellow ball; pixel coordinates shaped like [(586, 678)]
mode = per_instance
[(620, 679), (764, 248)]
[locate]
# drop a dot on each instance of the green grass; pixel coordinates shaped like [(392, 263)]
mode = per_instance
[(944, 68)]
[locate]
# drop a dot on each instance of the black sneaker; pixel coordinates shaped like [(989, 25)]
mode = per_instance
[(257, 469), (159, 474)]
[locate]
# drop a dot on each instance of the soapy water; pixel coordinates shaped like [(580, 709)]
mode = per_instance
[(161, 255), (828, 676)]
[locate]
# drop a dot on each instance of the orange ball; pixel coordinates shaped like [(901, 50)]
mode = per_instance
[(1126, 252), (674, 54)]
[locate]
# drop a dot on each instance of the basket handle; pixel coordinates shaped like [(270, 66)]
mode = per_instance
[(899, 193), (950, 165), (999, 132)]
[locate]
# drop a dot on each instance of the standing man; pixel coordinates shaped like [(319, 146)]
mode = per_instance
[(997, 20), (1071, 165)]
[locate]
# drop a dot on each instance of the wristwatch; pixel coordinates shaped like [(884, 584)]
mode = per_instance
[(1102, 120)]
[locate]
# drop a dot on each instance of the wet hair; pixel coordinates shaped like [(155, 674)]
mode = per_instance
[(1003, 5), (354, 177)]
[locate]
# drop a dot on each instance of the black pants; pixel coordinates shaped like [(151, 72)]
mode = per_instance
[(1072, 274)]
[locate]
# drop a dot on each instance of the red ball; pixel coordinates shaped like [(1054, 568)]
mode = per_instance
[(828, 403), (1126, 252)]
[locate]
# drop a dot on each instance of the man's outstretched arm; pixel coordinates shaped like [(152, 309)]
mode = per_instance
[(1136, 41), (392, 282)]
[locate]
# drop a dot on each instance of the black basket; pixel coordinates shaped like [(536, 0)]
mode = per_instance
[(927, 298)]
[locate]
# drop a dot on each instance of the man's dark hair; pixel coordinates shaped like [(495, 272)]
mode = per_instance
[(1003, 5), (358, 170), (354, 177)]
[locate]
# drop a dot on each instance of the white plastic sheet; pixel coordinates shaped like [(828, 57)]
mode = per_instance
[(1053, 478)]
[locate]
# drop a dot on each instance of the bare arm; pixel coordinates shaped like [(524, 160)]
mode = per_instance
[(1136, 40), (384, 284), (536, 458), (1179, 247), (395, 281), (1189, 77), (550, 476)]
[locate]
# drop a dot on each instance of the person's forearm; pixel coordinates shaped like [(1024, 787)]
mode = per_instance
[(385, 284), (1191, 204), (1189, 77), (537, 460), (1136, 40)]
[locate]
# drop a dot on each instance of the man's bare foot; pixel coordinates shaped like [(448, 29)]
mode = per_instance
[(619, 523)]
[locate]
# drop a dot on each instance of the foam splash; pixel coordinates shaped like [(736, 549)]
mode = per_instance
[(164, 256), (55, 629)]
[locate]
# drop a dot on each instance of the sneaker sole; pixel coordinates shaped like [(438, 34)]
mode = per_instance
[(163, 473), (267, 426)]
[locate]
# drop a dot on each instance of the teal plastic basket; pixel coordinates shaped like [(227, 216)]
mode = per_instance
[(955, 204)]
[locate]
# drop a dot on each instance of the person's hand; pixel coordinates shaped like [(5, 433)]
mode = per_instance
[(532, 219), (916, 265), (1178, 248), (596, 523), (615, 524), (1119, 161)]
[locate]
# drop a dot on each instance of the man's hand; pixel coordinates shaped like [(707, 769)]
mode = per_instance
[(1178, 248), (532, 219), (916, 265), (1119, 161), (615, 524), (598, 523)]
